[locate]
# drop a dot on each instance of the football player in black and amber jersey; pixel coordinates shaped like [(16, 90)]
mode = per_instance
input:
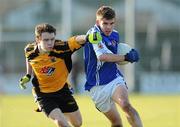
[(49, 61)]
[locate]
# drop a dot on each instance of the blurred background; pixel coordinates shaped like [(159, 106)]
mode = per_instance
[(153, 27)]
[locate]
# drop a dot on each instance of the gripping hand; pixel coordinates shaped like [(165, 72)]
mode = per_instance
[(132, 56), (94, 38), (25, 79)]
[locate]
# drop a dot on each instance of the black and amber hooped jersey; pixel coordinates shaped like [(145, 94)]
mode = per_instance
[(51, 70)]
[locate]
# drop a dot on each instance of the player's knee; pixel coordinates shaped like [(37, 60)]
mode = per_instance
[(125, 105), (78, 124), (117, 124), (61, 123), (115, 120)]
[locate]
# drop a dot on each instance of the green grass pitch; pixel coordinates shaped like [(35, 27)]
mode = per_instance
[(155, 111)]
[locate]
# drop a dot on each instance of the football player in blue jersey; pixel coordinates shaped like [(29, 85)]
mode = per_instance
[(105, 82)]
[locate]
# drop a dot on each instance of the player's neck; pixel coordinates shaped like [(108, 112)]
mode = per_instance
[(42, 51)]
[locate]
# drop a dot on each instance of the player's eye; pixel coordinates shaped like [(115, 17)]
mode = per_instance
[(112, 23), (46, 39)]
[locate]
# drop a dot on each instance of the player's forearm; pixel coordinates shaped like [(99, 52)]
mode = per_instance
[(81, 39), (111, 57), (28, 68)]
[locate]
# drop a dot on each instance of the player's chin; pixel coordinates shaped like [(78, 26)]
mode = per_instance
[(108, 33)]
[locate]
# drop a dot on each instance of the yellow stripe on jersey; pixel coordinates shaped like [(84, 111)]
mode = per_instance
[(73, 44), (30, 48)]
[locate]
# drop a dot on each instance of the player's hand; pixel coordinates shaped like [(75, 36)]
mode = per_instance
[(25, 79), (132, 56), (94, 37)]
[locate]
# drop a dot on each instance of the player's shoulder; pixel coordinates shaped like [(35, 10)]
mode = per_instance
[(60, 45), (30, 47), (115, 32), (93, 29)]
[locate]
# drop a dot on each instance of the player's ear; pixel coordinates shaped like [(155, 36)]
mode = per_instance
[(97, 22), (37, 38)]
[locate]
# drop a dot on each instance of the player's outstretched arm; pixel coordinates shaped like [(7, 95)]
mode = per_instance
[(81, 39), (25, 79), (132, 56), (94, 37)]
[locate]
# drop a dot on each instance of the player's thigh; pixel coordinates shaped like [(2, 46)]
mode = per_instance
[(56, 114), (120, 95), (74, 117)]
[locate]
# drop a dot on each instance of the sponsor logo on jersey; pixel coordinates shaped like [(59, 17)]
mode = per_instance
[(113, 42)]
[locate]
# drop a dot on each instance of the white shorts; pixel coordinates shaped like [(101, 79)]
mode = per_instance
[(101, 95)]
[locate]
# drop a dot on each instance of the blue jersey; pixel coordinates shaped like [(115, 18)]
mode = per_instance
[(98, 72)]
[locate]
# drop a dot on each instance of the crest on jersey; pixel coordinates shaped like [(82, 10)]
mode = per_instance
[(100, 45), (113, 42), (47, 70)]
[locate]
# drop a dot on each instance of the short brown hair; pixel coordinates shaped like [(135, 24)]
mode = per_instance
[(105, 12), (44, 27)]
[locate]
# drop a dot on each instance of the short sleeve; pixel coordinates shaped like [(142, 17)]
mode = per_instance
[(73, 44), (29, 49)]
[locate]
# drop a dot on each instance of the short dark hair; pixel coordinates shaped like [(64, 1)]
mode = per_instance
[(44, 27), (105, 12)]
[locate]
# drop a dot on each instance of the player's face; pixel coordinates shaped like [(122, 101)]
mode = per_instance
[(46, 41), (106, 26)]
